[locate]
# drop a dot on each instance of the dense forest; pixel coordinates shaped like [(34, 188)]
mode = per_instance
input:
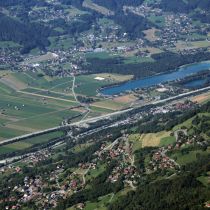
[(164, 62), (182, 192), (29, 35), (118, 4), (184, 6), (25, 3), (188, 7), (75, 3), (132, 24)]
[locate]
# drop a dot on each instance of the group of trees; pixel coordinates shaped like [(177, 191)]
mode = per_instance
[(29, 35), (190, 6), (184, 6), (98, 187), (181, 192), (25, 3), (164, 62), (130, 23), (118, 4), (75, 3)]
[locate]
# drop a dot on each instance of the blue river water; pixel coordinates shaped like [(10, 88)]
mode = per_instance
[(157, 79), (195, 83)]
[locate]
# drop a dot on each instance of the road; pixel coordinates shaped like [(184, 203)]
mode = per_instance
[(95, 119), (72, 89), (176, 133)]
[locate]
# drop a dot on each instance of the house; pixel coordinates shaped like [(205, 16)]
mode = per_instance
[(80, 206)]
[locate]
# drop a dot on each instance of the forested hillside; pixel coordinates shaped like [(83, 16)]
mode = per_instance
[(26, 34), (25, 3), (163, 62), (184, 6), (17, 22), (190, 6), (184, 192), (118, 4)]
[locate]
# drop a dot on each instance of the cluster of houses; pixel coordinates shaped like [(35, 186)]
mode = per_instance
[(120, 150), (36, 157), (161, 161), (9, 57), (59, 63), (176, 26), (144, 10), (50, 13)]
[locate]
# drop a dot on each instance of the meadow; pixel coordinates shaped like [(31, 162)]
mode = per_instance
[(27, 143), (30, 103)]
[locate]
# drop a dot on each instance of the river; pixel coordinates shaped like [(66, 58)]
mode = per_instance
[(180, 73)]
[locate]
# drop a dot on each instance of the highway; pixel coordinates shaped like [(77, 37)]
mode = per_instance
[(95, 119)]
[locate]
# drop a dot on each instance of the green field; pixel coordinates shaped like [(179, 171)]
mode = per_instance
[(205, 180), (9, 44), (157, 20), (62, 42), (184, 159), (30, 102), (96, 172), (167, 140), (22, 112), (87, 85), (27, 143)]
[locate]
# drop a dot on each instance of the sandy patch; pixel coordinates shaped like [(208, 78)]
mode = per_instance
[(107, 104), (41, 58), (21, 128), (150, 34), (125, 99), (10, 118), (97, 8), (153, 139), (201, 98), (12, 82), (114, 77)]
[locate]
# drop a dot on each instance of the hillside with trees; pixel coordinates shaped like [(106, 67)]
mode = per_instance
[(26, 34)]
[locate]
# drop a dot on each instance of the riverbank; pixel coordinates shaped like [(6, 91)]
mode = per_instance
[(179, 73)]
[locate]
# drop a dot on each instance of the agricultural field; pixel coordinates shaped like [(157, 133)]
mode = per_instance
[(30, 103), (189, 157), (117, 102), (167, 140), (153, 139), (181, 45), (201, 99), (62, 42), (159, 139), (41, 58), (150, 34), (201, 44), (23, 113), (157, 20), (27, 143), (135, 140), (89, 4), (73, 11), (89, 84)]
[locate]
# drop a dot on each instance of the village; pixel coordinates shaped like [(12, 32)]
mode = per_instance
[(64, 61), (62, 183)]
